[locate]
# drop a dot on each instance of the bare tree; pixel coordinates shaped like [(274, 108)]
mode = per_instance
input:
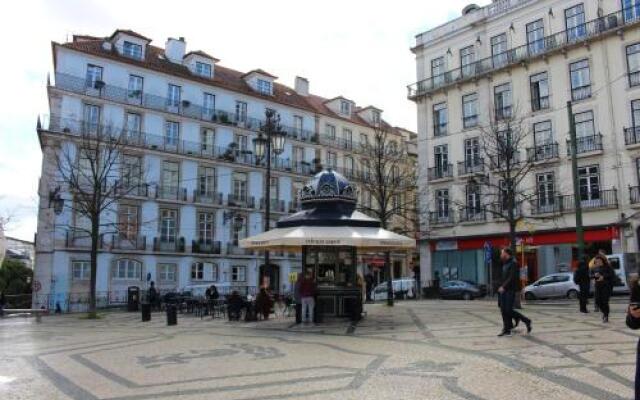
[(387, 186), (96, 173)]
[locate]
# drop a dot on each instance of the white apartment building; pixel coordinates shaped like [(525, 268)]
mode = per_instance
[(529, 57), (190, 124)]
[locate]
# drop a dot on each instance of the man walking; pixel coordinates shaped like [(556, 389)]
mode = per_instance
[(507, 293), (581, 278)]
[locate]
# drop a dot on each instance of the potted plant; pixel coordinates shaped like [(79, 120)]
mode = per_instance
[(224, 118), (186, 103)]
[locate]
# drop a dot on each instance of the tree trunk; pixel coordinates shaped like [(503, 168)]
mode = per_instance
[(95, 242), (387, 260)]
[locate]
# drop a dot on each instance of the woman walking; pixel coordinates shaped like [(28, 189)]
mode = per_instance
[(603, 276)]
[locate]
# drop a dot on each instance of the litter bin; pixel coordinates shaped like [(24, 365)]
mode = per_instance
[(133, 298), (298, 313), (172, 315), (146, 311)]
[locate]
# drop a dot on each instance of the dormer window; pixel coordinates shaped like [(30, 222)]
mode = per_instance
[(345, 107), (265, 87), (376, 117), (132, 50), (203, 69)]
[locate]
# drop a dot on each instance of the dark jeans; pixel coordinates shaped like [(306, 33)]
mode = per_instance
[(507, 300), (602, 300), (583, 297), (638, 372)]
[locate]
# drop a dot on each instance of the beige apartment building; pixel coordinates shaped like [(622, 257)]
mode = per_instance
[(527, 59)]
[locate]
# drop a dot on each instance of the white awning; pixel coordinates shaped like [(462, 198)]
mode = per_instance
[(360, 237)]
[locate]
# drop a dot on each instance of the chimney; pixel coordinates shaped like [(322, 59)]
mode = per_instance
[(174, 49), (302, 86)]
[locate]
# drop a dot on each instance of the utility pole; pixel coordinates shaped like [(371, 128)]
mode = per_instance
[(576, 183)]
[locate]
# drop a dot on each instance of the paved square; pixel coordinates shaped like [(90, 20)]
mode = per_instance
[(417, 350)]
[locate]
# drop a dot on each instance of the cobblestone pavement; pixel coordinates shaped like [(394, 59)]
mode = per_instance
[(417, 350)]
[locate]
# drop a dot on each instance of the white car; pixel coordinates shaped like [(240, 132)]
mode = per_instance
[(403, 287), (554, 285)]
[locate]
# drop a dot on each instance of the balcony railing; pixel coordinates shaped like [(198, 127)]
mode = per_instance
[(634, 78), (128, 242), (80, 239), (182, 107), (579, 34), (234, 249), (471, 166), (440, 172), (502, 162), (581, 93), (275, 205), (469, 214), (543, 152), (201, 246), (206, 197), (171, 193), (632, 135), (586, 144), (241, 201), (437, 218), (634, 194), (547, 204), (596, 199), (131, 189), (172, 245)]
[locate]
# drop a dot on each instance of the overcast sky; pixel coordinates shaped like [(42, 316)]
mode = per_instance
[(357, 48)]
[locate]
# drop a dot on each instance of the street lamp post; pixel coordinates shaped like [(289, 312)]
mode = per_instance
[(264, 146)]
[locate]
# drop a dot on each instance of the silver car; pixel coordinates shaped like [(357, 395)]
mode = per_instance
[(554, 285)]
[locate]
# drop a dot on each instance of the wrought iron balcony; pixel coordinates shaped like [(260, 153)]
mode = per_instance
[(128, 242), (586, 144), (171, 193), (166, 244), (242, 201), (276, 205), (444, 171), (182, 107), (437, 218), (132, 189), (472, 214), (502, 163), (471, 166), (543, 152), (632, 135), (201, 246), (233, 248), (207, 197), (596, 199), (582, 33), (634, 194), (551, 203), (81, 239)]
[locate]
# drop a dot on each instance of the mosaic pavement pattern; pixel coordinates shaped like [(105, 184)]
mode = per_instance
[(417, 350)]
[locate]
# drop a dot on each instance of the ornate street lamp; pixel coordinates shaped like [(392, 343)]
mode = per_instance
[(56, 201), (270, 140)]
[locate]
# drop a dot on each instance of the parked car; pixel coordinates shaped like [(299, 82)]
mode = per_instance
[(623, 265), (402, 288), (554, 285), (460, 290)]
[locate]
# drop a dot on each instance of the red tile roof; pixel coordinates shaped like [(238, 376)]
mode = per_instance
[(261, 72), (224, 77), (130, 33), (201, 54)]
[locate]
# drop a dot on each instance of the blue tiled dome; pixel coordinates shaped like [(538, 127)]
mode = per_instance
[(328, 185)]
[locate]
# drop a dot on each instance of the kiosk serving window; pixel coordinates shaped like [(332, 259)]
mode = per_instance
[(333, 266)]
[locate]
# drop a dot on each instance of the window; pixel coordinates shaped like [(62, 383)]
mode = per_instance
[(171, 133), (442, 203), (206, 181), (441, 159), (631, 9), (127, 269), (274, 190), (539, 84), (375, 117), (132, 50), (330, 131), (297, 154), (467, 60), (203, 69), (633, 63), (81, 270), (440, 118), (197, 271), (242, 142), (173, 96), (240, 186), (167, 272), (345, 107), (575, 22), (133, 125), (543, 141), (168, 225), (94, 74), (364, 140), (589, 182), (535, 37), (502, 101), (128, 221), (134, 90), (332, 159), (348, 138), (297, 124), (349, 166), (470, 110), (207, 139), (91, 124), (584, 124), (635, 114), (131, 172), (264, 87), (473, 201), (239, 232), (238, 273), (170, 175), (545, 187), (241, 111), (208, 105), (580, 80), (472, 153), (499, 53), (437, 70)]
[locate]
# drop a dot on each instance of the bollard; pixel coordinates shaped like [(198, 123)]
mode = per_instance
[(146, 312), (172, 315)]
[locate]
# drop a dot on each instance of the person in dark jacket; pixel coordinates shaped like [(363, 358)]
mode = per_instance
[(264, 303), (507, 294), (581, 278), (235, 303), (307, 296), (603, 275), (633, 322), (154, 299)]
